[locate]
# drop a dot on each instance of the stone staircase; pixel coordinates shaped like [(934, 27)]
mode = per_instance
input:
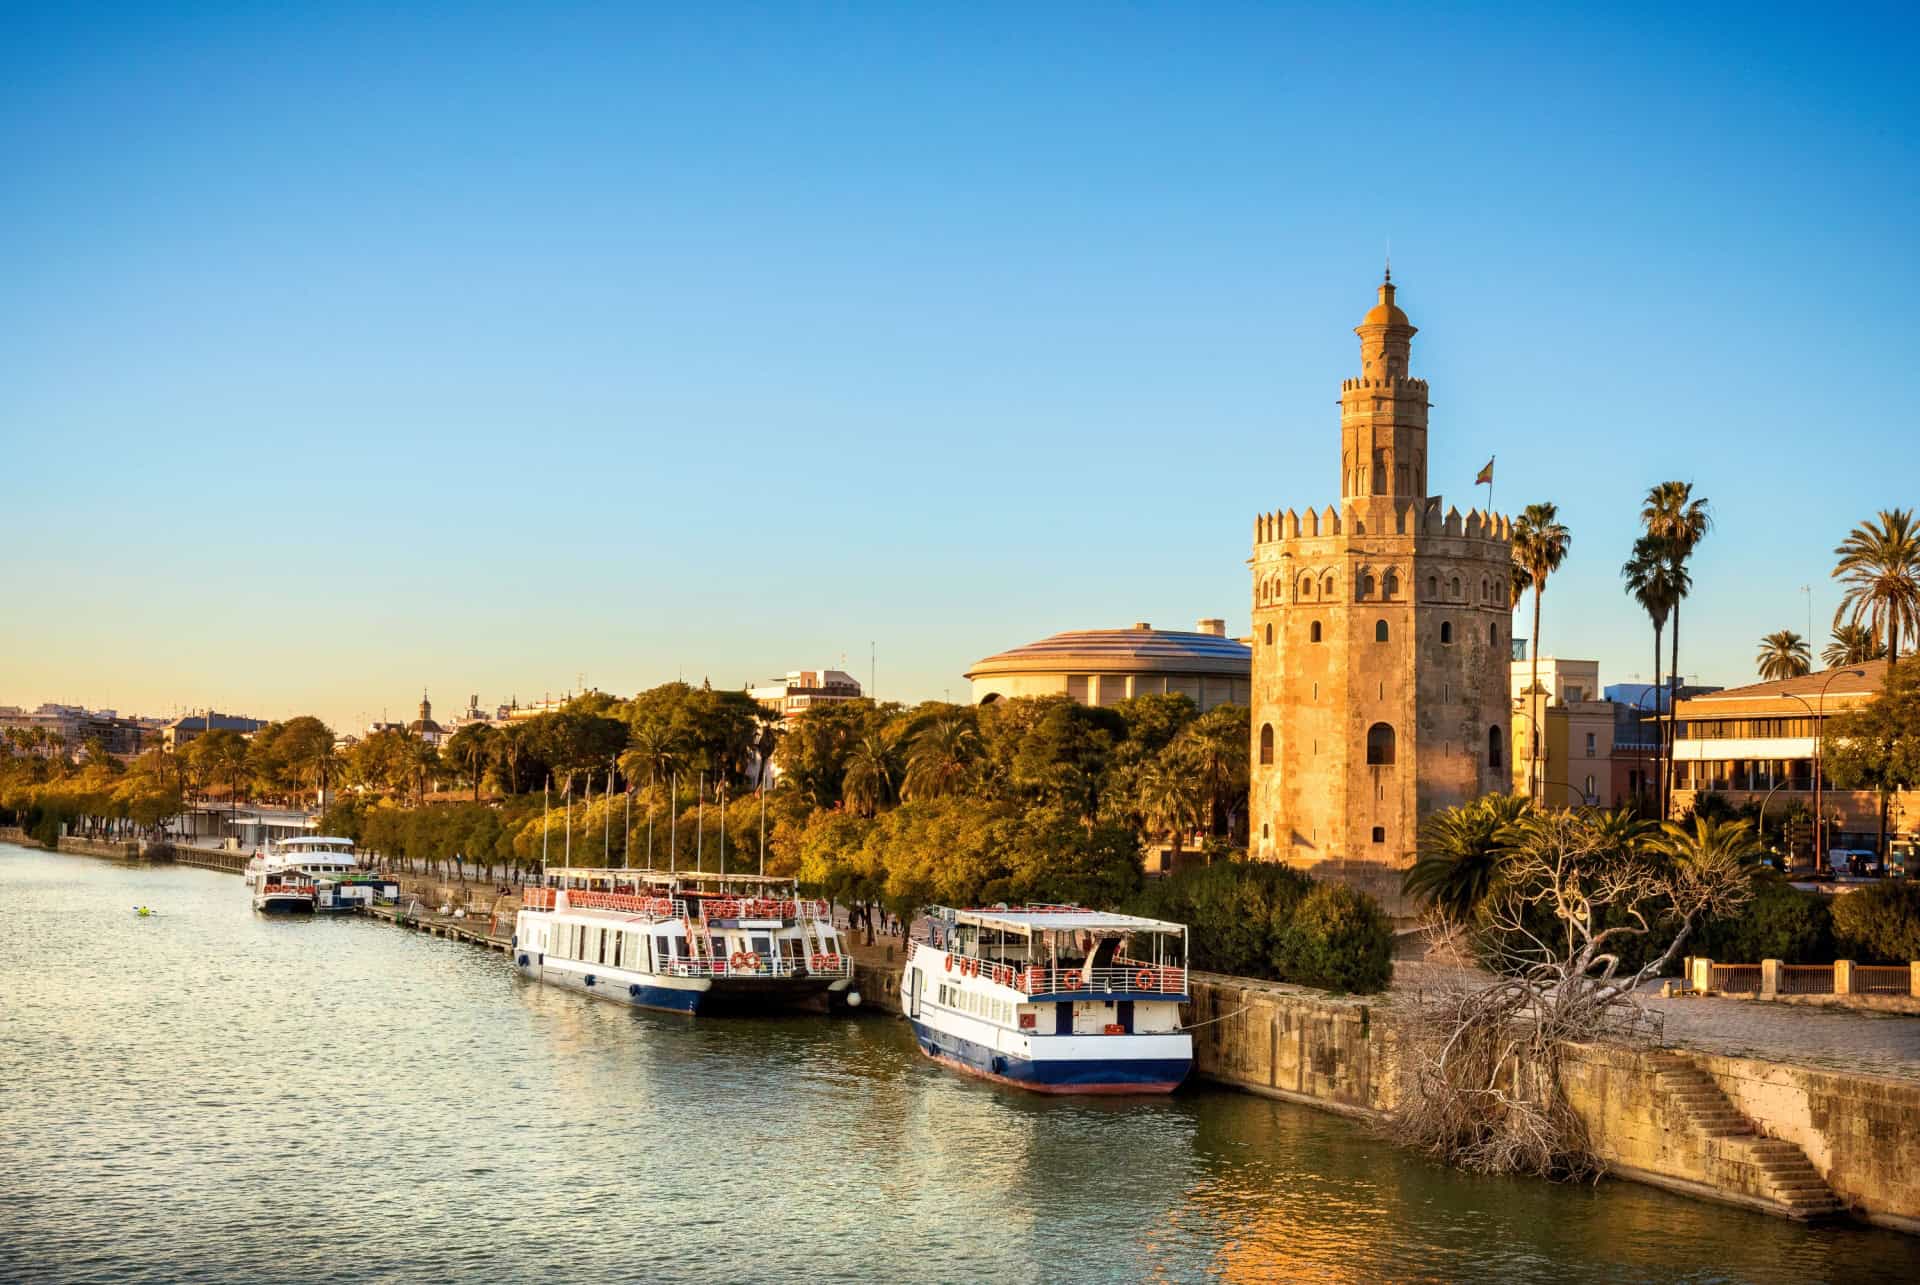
[(1771, 1171)]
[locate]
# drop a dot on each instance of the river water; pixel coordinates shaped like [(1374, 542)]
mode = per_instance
[(211, 1095)]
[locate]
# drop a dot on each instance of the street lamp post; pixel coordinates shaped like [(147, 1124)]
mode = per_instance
[(1819, 713), (1763, 810)]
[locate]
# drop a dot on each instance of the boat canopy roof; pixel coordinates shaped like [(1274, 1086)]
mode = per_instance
[(594, 874), (1060, 918), (313, 841)]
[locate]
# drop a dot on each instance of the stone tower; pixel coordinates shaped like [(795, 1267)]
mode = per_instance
[(1380, 642)]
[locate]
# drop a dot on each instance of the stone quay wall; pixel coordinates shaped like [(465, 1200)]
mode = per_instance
[(1652, 1115)]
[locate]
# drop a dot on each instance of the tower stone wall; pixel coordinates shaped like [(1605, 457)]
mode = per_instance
[(1381, 643)]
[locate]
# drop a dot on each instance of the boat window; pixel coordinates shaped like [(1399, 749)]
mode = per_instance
[(661, 952), (617, 938), (763, 946), (719, 944)]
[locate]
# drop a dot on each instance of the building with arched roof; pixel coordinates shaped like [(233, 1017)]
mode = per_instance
[(1106, 666)]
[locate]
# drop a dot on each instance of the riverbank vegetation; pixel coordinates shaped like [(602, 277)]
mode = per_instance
[(1572, 912)]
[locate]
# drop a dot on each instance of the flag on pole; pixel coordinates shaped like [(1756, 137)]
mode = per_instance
[(1486, 474)]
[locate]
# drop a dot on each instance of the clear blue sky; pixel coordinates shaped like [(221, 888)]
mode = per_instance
[(349, 349)]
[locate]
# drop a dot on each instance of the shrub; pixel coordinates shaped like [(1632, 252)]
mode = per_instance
[(1262, 919), (1879, 924), (1781, 922), (1338, 939)]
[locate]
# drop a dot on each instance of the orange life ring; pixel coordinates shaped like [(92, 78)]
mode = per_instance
[(949, 963), (816, 962), (738, 960), (1144, 978), (1032, 980), (753, 961), (1073, 981)]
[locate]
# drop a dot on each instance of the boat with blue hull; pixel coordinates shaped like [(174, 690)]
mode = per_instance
[(1054, 999), (683, 943)]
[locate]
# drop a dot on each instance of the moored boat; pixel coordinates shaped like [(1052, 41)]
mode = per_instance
[(324, 867), (686, 943), (1055, 999)]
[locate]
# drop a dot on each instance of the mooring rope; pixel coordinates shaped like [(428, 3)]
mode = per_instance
[(1211, 1020)]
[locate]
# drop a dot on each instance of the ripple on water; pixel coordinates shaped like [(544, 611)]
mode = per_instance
[(213, 1095)]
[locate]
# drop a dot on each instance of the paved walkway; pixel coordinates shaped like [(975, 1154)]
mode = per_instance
[(1861, 1040)]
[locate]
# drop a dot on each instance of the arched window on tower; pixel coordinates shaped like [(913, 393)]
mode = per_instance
[(1393, 584), (1313, 632), (1366, 584), (1454, 591), (1306, 586), (1380, 745), (1446, 631), (1493, 636), (1266, 743), (1380, 631), (1269, 635), (1494, 741), (1327, 585), (1433, 586)]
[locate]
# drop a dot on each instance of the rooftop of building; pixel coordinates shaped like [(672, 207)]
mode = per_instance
[(1862, 680), (1140, 648)]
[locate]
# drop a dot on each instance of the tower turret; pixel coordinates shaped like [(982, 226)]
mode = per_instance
[(1383, 414)]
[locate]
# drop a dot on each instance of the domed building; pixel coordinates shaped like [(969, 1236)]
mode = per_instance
[(1106, 666)]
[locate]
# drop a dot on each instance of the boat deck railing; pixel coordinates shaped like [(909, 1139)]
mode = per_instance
[(1124, 976), (742, 964), (663, 907)]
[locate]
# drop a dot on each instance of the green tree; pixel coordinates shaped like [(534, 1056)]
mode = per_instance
[(1063, 756), (1877, 746), (1851, 645), (470, 749), (1879, 924), (1540, 544), (1657, 584), (1879, 563), (1677, 523), (221, 755), (873, 773), (1460, 852), (1173, 799), (1783, 654), (942, 758)]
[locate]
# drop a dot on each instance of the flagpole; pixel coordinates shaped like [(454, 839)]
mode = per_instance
[(673, 827)]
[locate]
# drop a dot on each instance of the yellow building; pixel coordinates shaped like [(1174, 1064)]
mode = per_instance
[(1381, 642)]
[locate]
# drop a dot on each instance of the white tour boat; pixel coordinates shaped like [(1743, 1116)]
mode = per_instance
[(688, 943), (1056, 999), (323, 868)]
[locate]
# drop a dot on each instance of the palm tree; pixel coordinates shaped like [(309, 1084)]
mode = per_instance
[(1708, 843), (1656, 584), (872, 773), (1461, 850), (509, 748), (1173, 798), (471, 749), (1679, 523), (1624, 830), (942, 758), (1783, 654), (1851, 645), (1879, 562), (656, 753), (1540, 544)]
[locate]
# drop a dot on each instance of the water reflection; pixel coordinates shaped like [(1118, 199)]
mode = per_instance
[(214, 1094)]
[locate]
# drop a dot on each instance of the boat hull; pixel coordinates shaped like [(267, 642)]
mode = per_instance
[(283, 905), (665, 995), (1105, 1075)]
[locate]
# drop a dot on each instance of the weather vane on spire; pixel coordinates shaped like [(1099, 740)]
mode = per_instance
[(1389, 277)]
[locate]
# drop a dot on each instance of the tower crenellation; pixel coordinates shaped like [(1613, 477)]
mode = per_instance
[(1381, 638)]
